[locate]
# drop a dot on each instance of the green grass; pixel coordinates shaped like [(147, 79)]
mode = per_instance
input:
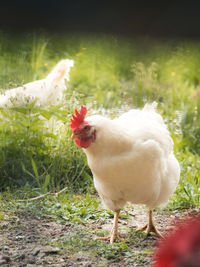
[(110, 74)]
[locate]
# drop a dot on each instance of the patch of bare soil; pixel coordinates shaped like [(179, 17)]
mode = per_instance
[(23, 242), (24, 239)]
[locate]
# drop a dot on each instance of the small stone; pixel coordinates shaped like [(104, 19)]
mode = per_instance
[(42, 255), (6, 258), (31, 261), (36, 251), (19, 237), (21, 257), (15, 255), (19, 233), (51, 250)]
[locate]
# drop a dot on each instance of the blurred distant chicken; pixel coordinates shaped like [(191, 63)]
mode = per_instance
[(44, 92), (181, 247), (131, 158)]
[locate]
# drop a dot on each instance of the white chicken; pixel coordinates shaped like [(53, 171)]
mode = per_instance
[(131, 158), (44, 92)]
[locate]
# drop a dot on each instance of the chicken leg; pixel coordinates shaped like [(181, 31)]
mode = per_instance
[(114, 231), (150, 227)]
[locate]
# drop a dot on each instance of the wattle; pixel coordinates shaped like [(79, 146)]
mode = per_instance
[(84, 143)]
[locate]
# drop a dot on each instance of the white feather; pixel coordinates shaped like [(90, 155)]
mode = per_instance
[(132, 159), (44, 92)]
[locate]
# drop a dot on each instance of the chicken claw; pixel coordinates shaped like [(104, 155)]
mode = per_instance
[(150, 227), (114, 231)]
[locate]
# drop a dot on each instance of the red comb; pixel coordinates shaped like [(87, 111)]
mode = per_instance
[(78, 118)]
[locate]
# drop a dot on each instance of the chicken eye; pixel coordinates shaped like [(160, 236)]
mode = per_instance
[(86, 128)]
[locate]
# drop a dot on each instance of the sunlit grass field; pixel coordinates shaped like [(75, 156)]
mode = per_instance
[(42, 171), (110, 75)]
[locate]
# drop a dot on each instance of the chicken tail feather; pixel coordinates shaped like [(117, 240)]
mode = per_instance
[(61, 70)]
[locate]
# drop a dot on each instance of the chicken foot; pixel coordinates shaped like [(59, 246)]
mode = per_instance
[(150, 227), (114, 231)]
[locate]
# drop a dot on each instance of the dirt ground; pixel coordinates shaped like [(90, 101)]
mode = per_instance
[(24, 240)]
